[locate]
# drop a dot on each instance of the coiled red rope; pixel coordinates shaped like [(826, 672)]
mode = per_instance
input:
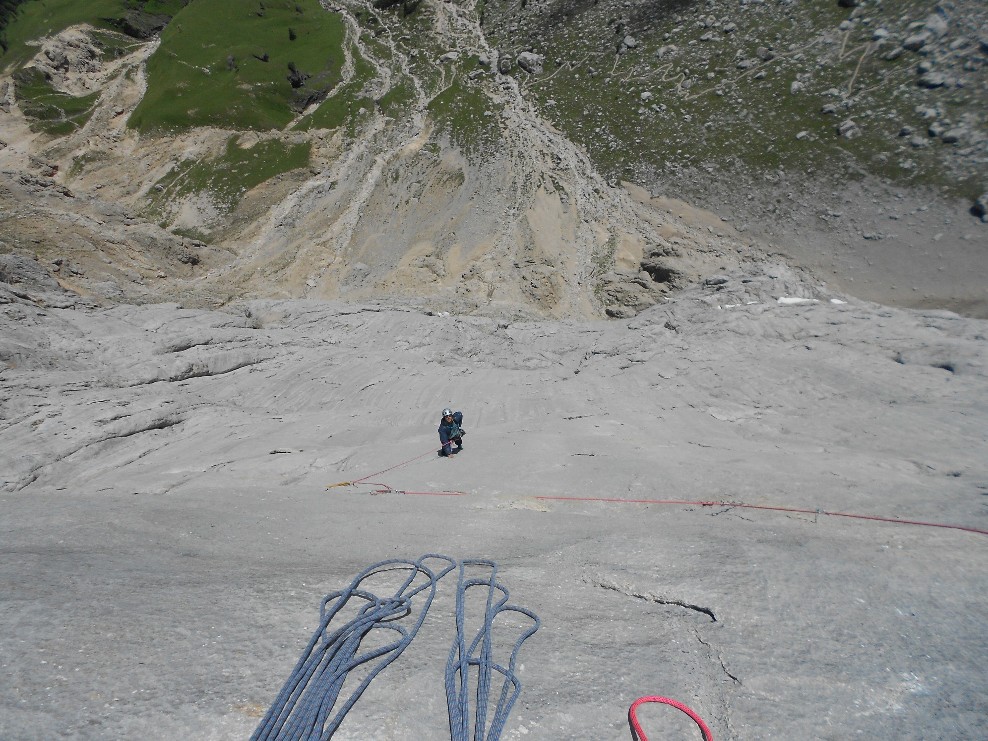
[(636, 730)]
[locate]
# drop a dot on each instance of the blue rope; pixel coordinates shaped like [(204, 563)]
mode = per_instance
[(301, 711), (304, 708), (461, 658)]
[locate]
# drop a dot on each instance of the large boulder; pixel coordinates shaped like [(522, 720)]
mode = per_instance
[(531, 62), (140, 25)]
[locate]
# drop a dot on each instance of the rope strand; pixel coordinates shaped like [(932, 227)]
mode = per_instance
[(701, 503)]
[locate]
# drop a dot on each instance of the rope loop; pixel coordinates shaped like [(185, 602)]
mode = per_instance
[(307, 706), (637, 734), (480, 655), (304, 709)]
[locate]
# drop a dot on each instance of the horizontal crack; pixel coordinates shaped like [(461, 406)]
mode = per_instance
[(161, 423), (657, 599)]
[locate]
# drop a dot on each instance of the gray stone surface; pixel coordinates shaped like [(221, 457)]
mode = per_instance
[(168, 532)]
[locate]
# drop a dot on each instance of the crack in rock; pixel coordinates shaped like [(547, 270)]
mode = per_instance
[(720, 658), (657, 599)]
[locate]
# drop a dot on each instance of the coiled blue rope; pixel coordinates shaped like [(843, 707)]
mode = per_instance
[(304, 708), (461, 658)]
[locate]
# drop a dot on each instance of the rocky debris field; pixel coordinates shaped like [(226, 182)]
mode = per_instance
[(817, 128), (905, 76)]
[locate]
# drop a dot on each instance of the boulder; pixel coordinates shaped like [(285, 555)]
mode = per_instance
[(140, 25), (18, 269), (848, 129), (936, 24), (980, 207), (917, 41), (952, 136), (932, 80), (531, 62)]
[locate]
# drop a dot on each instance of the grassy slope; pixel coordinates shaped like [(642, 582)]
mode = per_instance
[(707, 112), (209, 69), (53, 112), (228, 177), (47, 17), (192, 83)]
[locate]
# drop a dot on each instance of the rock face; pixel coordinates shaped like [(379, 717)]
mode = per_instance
[(160, 453), (143, 25), (18, 270), (980, 207), (768, 483)]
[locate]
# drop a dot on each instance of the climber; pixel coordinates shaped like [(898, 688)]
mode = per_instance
[(450, 431)]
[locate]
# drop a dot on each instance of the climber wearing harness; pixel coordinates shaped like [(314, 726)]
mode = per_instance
[(450, 431)]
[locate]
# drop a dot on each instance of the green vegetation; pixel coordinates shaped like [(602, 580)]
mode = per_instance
[(344, 106), (8, 9), (257, 78), (191, 234), (465, 112), (83, 161), (228, 177), (113, 45), (34, 19), (53, 112), (398, 100), (46, 18)]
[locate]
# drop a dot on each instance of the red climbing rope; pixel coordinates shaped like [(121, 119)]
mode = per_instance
[(767, 507), (397, 465), (636, 730)]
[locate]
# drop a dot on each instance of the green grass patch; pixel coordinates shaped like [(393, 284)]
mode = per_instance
[(344, 106), (51, 112), (230, 64), (227, 178), (81, 163), (40, 18), (190, 233), (47, 18), (113, 45), (470, 118), (397, 102)]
